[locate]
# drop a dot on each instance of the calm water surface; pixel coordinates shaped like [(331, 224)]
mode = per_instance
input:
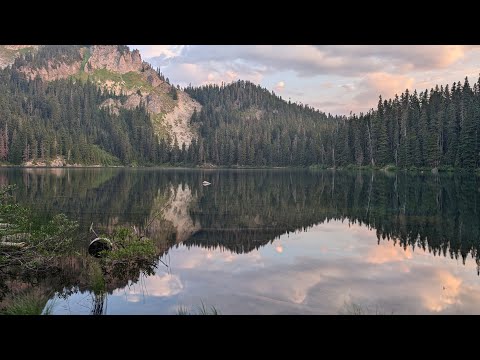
[(271, 242)]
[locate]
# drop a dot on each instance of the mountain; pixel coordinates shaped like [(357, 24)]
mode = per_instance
[(102, 104), (118, 70), (243, 124)]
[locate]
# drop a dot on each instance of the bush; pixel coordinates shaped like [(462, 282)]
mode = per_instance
[(128, 246)]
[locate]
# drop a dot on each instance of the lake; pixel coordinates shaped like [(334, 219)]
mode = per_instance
[(268, 241)]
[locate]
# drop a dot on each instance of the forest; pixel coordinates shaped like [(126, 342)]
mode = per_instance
[(43, 120), (241, 124)]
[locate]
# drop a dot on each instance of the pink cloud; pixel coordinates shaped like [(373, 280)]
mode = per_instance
[(386, 252), (280, 86)]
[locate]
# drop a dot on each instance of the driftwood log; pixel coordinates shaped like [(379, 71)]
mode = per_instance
[(12, 244)]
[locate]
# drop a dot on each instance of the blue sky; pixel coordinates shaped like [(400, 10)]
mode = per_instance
[(333, 78)]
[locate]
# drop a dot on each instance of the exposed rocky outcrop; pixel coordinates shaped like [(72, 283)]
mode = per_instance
[(178, 119), (53, 71), (108, 57)]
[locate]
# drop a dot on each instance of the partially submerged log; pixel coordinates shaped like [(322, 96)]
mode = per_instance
[(98, 245)]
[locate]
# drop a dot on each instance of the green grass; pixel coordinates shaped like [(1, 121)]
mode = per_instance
[(103, 157), (352, 308), (200, 310), (25, 50), (28, 304), (96, 279), (134, 80), (131, 80), (104, 75), (127, 246), (159, 126), (86, 56)]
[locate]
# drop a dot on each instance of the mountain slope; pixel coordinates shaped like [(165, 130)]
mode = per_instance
[(244, 124), (62, 122), (8, 53), (118, 70)]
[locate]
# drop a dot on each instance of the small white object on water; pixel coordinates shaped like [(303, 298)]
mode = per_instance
[(206, 183)]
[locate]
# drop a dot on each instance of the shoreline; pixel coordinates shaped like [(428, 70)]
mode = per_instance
[(386, 169)]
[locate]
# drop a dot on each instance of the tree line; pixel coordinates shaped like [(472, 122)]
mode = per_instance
[(244, 124)]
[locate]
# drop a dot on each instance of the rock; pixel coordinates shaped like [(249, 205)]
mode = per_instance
[(99, 244), (435, 170), (54, 71), (108, 57)]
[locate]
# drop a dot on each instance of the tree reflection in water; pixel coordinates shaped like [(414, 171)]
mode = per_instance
[(246, 209)]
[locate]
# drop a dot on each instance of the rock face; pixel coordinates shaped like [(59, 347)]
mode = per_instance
[(123, 71), (108, 57), (178, 119), (53, 71)]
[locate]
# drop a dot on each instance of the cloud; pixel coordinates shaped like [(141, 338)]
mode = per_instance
[(328, 103), (212, 72), (446, 294), (353, 75), (280, 86), (401, 57), (161, 51), (308, 60), (162, 285), (348, 87), (381, 83), (385, 252)]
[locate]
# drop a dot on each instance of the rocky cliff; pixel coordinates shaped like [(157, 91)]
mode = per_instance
[(121, 71)]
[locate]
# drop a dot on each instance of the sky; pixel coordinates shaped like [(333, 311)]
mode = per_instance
[(336, 79)]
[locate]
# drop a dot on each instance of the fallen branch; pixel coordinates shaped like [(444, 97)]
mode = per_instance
[(13, 244)]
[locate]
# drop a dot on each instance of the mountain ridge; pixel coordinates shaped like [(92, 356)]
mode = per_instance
[(116, 69)]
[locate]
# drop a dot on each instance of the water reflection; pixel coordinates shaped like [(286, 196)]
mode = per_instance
[(272, 241)]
